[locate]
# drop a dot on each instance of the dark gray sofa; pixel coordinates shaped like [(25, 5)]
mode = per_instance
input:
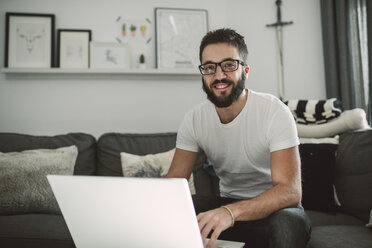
[(340, 227)]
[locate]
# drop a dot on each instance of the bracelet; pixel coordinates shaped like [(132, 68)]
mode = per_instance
[(231, 213)]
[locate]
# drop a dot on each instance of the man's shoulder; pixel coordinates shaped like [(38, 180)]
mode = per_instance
[(201, 108)]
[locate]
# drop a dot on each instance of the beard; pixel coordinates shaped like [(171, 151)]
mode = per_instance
[(225, 100)]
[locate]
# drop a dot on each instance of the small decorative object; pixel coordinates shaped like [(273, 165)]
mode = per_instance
[(278, 25), (73, 48), (142, 62), (178, 35), (143, 30), (123, 31), (29, 40), (133, 30), (109, 55)]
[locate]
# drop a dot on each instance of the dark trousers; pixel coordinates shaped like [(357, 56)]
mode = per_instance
[(286, 228)]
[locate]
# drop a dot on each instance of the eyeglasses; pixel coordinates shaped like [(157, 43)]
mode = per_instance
[(227, 65)]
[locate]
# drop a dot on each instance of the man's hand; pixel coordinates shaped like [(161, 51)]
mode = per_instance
[(216, 220)]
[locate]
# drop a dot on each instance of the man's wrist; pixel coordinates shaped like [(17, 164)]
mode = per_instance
[(231, 213)]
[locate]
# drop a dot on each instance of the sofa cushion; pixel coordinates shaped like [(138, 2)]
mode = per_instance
[(110, 145), (319, 218), (340, 237), (23, 184), (34, 230), (317, 166), (150, 165), (86, 144), (353, 173)]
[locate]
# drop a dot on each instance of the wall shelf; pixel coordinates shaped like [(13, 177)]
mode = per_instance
[(173, 72)]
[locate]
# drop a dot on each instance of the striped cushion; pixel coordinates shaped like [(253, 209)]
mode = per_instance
[(314, 111)]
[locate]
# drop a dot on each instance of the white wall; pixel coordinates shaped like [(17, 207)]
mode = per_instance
[(56, 104), (302, 42)]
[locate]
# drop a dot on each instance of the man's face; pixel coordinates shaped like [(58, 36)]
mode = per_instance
[(223, 88)]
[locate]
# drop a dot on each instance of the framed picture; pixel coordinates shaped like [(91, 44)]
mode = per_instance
[(73, 48), (29, 40), (109, 55), (178, 36), (138, 34)]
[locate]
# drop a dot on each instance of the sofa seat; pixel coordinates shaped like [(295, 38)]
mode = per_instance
[(340, 236), (34, 230), (338, 230), (318, 218)]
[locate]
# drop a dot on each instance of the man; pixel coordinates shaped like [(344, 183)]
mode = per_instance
[(251, 140)]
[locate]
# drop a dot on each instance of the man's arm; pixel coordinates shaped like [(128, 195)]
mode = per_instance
[(182, 164), (286, 192)]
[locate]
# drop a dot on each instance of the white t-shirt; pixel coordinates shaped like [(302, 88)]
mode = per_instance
[(240, 150)]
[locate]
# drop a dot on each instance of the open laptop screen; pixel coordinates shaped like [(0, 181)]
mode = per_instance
[(127, 212)]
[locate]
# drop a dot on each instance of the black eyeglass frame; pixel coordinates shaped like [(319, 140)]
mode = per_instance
[(219, 64)]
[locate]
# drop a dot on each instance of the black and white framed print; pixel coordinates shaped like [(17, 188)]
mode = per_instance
[(73, 48), (178, 36), (109, 55), (29, 40)]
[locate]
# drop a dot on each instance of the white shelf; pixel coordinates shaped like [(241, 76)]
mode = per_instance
[(175, 72)]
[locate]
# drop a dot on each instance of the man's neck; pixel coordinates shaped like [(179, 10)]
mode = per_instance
[(230, 113)]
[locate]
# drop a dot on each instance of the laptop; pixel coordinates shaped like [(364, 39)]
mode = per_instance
[(129, 212)]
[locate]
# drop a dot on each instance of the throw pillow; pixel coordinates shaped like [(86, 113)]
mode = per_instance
[(314, 111), (318, 163), (24, 187), (151, 165), (348, 120)]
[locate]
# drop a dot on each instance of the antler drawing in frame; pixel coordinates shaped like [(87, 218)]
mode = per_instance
[(29, 40), (30, 37)]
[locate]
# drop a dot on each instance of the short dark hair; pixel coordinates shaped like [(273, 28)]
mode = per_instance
[(225, 35)]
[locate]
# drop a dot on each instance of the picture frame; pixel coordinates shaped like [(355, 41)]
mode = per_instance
[(73, 48), (29, 41), (138, 34), (109, 55), (178, 36)]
